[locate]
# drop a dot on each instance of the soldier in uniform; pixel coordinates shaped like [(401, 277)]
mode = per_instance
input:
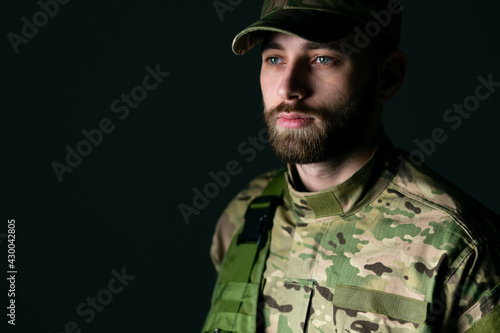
[(353, 235)]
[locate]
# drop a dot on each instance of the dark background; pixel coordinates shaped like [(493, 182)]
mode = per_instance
[(118, 209)]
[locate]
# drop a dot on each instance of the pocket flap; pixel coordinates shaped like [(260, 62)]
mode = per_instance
[(390, 305)]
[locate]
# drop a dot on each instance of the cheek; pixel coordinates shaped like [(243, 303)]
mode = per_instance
[(347, 85), (331, 92), (267, 87)]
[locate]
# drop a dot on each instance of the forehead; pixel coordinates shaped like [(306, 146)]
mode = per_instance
[(286, 42)]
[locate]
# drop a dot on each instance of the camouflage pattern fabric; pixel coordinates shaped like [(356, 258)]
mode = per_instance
[(321, 20), (395, 248)]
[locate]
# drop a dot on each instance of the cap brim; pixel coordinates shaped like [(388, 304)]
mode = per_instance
[(313, 25)]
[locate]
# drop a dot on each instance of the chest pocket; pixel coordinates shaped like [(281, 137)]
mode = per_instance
[(363, 310)]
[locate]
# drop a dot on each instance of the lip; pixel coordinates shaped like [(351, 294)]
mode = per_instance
[(294, 120)]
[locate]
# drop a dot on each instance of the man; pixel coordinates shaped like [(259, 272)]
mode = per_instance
[(351, 237)]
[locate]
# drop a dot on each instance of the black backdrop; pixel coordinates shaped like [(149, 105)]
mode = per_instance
[(117, 212)]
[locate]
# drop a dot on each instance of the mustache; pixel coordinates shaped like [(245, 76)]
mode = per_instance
[(296, 107)]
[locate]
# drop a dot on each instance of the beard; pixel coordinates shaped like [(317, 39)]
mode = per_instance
[(335, 132)]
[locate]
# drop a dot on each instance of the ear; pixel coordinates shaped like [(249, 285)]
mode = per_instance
[(391, 75)]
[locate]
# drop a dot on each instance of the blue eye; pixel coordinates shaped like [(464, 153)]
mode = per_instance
[(274, 60), (323, 60)]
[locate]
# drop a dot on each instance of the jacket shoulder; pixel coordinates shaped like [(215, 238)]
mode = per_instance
[(232, 217), (422, 184)]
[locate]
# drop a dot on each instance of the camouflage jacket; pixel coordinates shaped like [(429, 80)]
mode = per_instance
[(395, 248)]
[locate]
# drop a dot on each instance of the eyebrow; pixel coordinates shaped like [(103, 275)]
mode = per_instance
[(307, 46)]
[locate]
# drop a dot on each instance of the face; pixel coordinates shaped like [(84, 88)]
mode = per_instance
[(319, 102)]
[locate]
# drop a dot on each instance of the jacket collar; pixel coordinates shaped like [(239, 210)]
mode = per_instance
[(348, 197)]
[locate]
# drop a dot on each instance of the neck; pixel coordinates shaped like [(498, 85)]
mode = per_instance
[(332, 172)]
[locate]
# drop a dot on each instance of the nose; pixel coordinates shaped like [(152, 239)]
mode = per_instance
[(293, 85)]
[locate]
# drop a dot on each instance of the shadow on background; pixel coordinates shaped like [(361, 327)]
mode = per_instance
[(115, 113)]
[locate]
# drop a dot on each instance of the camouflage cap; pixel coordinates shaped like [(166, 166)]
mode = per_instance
[(322, 21)]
